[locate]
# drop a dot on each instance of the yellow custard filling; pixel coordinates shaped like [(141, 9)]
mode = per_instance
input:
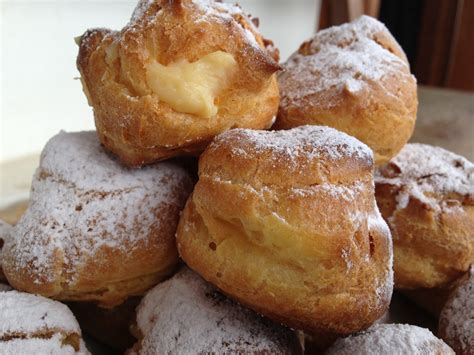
[(191, 87)]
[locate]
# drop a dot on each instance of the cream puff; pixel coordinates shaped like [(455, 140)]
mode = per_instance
[(36, 325), (355, 78), (179, 73), (426, 194), (456, 322), (94, 230), (286, 223), (391, 339), (186, 315)]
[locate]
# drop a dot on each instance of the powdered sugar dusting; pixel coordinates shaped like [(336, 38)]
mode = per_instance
[(52, 346), (429, 174), (309, 141), (457, 316), (24, 313), (225, 12), (187, 315), (391, 339), (340, 58), (82, 200)]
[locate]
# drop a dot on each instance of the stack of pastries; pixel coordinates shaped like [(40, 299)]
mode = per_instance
[(284, 239)]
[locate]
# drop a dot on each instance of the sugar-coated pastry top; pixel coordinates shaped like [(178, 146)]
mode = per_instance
[(456, 325), (84, 202), (24, 313), (345, 57), (307, 154), (396, 339), (429, 174), (185, 314), (53, 345), (29, 321)]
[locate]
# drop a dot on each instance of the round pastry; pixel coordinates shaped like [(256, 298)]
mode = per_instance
[(355, 78), (5, 230), (456, 322), (286, 223), (185, 315), (391, 339), (110, 326), (180, 72), (36, 325), (426, 194), (95, 230)]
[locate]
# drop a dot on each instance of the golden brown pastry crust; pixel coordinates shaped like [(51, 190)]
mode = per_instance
[(131, 121), (355, 78), (286, 223), (426, 194), (94, 230)]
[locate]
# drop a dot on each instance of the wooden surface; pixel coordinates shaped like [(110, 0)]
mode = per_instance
[(446, 119)]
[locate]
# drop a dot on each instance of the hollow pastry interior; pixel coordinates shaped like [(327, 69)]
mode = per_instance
[(286, 223), (34, 324), (185, 314), (426, 194), (95, 230)]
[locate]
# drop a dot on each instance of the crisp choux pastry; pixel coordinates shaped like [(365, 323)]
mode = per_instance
[(32, 324), (355, 78), (426, 194), (5, 230), (94, 230), (186, 315), (180, 72), (456, 322), (286, 223), (397, 339)]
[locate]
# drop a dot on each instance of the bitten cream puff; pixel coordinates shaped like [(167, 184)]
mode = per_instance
[(286, 223), (94, 230), (426, 194), (355, 78), (179, 73)]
